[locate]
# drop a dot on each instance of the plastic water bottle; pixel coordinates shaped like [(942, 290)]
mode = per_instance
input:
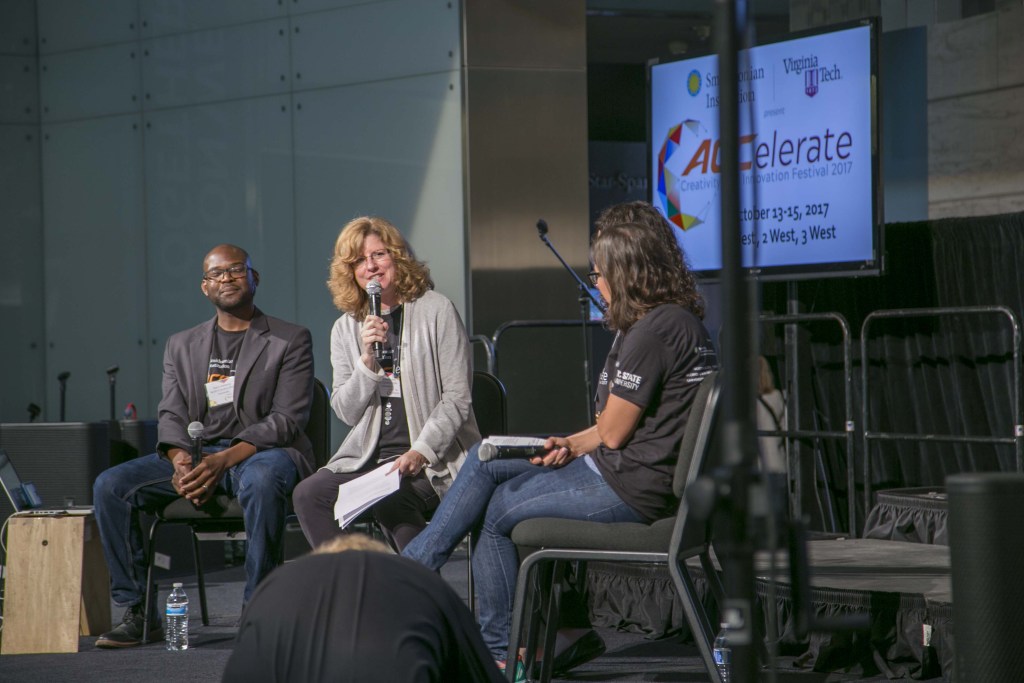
[(722, 652), (176, 619)]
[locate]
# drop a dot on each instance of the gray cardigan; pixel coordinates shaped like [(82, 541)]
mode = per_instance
[(436, 381)]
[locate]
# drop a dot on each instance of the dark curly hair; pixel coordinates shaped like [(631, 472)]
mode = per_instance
[(641, 272), (646, 216)]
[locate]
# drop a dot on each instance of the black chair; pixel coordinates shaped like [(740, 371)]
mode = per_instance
[(490, 404), (228, 521), (669, 541)]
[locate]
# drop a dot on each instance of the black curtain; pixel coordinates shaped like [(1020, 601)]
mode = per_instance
[(931, 375)]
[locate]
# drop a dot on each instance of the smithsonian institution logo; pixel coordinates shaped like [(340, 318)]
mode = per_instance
[(693, 83)]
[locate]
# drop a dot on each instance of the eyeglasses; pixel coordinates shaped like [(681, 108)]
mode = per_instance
[(239, 270), (375, 256), (594, 276)]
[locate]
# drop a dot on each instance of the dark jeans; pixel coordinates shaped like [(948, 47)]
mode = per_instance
[(261, 483), (401, 515)]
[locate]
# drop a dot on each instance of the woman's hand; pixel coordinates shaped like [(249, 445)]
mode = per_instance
[(560, 452), (374, 330), (409, 463)]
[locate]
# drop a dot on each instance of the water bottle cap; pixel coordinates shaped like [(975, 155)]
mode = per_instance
[(177, 585)]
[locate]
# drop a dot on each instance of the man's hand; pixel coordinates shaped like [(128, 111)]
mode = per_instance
[(200, 483), (559, 453), (409, 463), (182, 462)]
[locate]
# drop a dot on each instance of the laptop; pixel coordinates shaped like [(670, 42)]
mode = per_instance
[(24, 497)]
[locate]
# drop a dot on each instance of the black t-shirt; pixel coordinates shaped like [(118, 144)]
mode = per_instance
[(394, 427), (357, 616), (221, 421), (656, 365)]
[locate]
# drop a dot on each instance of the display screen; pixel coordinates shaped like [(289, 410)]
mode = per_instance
[(809, 171)]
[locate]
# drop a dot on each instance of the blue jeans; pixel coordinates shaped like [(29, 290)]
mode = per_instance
[(490, 498), (261, 483)]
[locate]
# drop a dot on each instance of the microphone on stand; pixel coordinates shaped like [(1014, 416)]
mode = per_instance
[(195, 433), (112, 379), (33, 412), (373, 291), (63, 379)]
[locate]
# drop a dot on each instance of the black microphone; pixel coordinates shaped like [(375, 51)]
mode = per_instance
[(33, 412), (112, 371), (542, 227), (63, 377), (373, 291), (500, 447), (195, 432)]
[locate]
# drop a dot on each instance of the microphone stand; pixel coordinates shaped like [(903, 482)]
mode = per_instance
[(63, 379), (112, 379), (585, 298)]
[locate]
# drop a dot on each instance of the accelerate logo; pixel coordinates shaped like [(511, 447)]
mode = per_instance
[(685, 139), (693, 83)]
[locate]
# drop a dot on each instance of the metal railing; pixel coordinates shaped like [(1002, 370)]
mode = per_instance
[(1017, 440), (488, 345), (847, 435)]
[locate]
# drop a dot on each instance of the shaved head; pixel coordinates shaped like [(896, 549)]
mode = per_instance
[(227, 253)]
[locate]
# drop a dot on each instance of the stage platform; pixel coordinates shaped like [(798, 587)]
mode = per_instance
[(904, 588)]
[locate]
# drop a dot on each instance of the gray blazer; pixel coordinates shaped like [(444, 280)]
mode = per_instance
[(273, 387)]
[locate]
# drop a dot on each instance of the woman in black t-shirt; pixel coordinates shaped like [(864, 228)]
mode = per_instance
[(620, 469)]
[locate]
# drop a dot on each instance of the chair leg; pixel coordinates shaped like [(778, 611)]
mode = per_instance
[(199, 578), (148, 598), (522, 608), (547, 663), (697, 619)]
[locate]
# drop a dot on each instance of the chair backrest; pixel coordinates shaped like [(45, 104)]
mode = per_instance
[(318, 429), (699, 425), (489, 404)]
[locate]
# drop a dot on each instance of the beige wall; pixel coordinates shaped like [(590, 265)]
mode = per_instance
[(975, 96)]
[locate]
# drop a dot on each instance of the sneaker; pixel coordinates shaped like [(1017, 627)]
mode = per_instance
[(129, 633), (520, 670)]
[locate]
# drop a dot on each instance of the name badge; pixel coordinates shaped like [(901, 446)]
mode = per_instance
[(220, 392), (390, 387)]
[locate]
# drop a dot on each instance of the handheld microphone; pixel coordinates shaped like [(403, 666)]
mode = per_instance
[(373, 291), (502, 447), (195, 432)]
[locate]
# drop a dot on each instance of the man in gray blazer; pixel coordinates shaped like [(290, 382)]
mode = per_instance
[(248, 378)]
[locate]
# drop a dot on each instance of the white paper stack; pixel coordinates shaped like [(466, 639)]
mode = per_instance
[(356, 496)]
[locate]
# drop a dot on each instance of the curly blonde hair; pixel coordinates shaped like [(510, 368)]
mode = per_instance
[(340, 544), (412, 277)]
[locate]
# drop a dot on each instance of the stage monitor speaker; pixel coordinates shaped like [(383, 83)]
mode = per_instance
[(987, 553), (62, 459)]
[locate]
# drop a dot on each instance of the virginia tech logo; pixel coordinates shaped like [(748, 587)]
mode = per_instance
[(811, 82)]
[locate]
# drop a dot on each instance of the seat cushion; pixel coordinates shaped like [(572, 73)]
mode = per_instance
[(219, 507), (547, 532)]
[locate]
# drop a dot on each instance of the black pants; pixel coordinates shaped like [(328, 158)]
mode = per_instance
[(401, 515)]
